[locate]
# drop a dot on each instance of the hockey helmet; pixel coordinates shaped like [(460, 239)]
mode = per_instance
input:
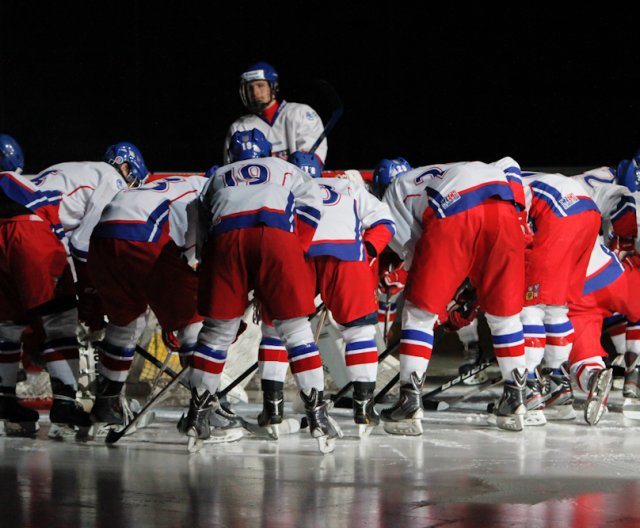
[(125, 152), (260, 71), (385, 172), (11, 156), (248, 144), (307, 162)]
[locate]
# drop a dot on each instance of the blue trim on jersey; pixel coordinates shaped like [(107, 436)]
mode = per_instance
[(77, 253), (558, 328), (507, 339), (455, 202), (149, 231), (209, 352), (361, 345), (625, 205), (417, 335), (253, 219), (302, 350), (271, 341), (389, 224), (557, 202), (610, 273), (353, 251)]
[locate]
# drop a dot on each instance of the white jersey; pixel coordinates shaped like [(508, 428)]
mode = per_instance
[(604, 268), (295, 127), (348, 211), (153, 212), (81, 190), (616, 203), (440, 191), (265, 191)]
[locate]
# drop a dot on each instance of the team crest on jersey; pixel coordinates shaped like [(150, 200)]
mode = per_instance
[(450, 199), (568, 200), (532, 292), (311, 116)]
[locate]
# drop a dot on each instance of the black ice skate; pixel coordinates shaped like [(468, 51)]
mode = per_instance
[(365, 414), (559, 394), (472, 358), (534, 399), (631, 387), (18, 420), (600, 384), (195, 425), (321, 426), (404, 418), (109, 407), (511, 409), (272, 407), (67, 416)]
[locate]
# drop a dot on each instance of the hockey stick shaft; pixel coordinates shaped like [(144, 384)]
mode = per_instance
[(335, 116), (458, 379)]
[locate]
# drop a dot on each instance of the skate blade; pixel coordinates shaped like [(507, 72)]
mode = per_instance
[(364, 430), (411, 427), (67, 432), (510, 423), (598, 396), (194, 444), (219, 436), (535, 418), (560, 412), (21, 428), (326, 444)]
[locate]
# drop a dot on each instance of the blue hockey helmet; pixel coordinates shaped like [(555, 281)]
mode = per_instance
[(628, 174), (307, 162), (125, 152), (385, 172), (260, 71), (11, 156), (249, 144)]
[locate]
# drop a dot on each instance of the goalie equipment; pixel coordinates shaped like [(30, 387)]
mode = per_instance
[(11, 156), (248, 144), (124, 152)]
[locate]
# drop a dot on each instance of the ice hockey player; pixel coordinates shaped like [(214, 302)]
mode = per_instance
[(565, 222), (82, 190), (263, 214), (36, 286), (354, 230), (138, 258), (453, 220), (287, 126)]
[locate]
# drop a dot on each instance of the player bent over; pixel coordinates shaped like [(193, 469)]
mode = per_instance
[(36, 286), (261, 213)]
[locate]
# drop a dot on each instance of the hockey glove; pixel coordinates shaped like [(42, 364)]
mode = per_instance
[(394, 281), (463, 309)]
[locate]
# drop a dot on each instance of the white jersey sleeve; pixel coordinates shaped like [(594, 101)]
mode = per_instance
[(83, 190), (296, 127)]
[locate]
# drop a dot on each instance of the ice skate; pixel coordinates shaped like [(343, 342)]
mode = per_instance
[(68, 417), (534, 399), (404, 418), (472, 358), (195, 424), (321, 426), (599, 387), (631, 387), (365, 414), (559, 394), (271, 415), (18, 420), (510, 411), (109, 407)]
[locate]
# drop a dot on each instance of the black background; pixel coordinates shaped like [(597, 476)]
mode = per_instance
[(545, 87)]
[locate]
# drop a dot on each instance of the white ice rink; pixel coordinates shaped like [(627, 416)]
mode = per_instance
[(461, 472)]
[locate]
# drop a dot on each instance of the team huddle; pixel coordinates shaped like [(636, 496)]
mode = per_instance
[(546, 258)]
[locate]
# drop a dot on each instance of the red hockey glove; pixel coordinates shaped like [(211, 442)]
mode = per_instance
[(631, 261), (394, 281), (463, 309), (170, 340)]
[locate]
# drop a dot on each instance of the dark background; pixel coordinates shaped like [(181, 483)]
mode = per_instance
[(545, 87)]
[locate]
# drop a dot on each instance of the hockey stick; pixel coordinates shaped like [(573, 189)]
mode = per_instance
[(457, 380), (335, 116)]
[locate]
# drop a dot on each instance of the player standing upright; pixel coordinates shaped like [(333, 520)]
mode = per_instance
[(287, 126)]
